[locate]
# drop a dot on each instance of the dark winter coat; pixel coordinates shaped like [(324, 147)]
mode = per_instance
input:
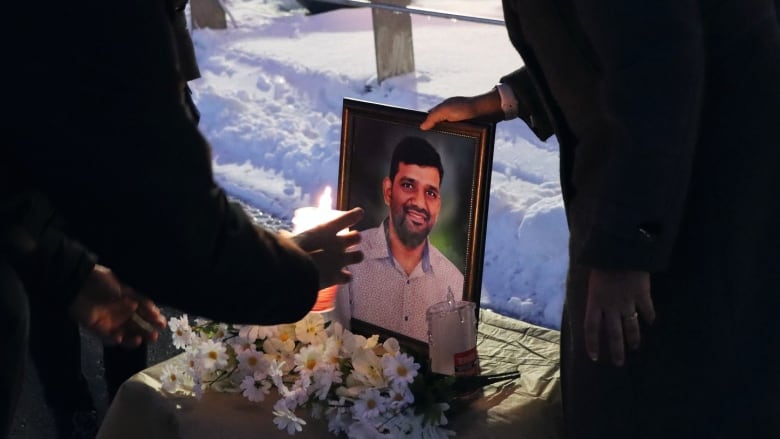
[(100, 128), (666, 115)]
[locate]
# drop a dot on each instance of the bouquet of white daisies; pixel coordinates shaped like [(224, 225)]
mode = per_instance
[(314, 368)]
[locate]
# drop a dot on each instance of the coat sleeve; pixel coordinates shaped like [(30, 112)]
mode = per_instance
[(530, 108), (52, 266), (651, 55), (131, 173)]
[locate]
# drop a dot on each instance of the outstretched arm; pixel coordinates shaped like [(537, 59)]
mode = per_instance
[(64, 274)]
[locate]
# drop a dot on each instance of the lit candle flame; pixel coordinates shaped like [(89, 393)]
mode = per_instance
[(326, 200)]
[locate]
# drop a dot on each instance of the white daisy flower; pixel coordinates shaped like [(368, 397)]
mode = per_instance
[(240, 344), (280, 351), (324, 378), (331, 352), (391, 346), (285, 419), (350, 391), (221, 333), (311, 329), (256, 332), (372, 341), (369, 404), (286, 334), (212, 355), (339, 420), (171, 378), (400, 398), (197, 389), (400, 369), (298, 394), (255, 388), (275, 369), (351, 343), (276, 372), (252, 361), (181, 330), (309, 358), (191, 362), (368, 368)]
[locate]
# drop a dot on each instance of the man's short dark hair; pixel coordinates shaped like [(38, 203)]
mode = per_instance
[(415, 151)]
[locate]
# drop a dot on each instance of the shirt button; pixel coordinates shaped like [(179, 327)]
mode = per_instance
[(408, 281), (406, 318)]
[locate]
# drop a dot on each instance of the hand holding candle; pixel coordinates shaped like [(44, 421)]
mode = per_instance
[(324, 234)]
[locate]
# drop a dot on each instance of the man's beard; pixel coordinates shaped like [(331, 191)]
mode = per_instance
[(410, 238)]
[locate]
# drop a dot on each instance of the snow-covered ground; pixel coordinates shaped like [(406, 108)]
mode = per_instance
[(271, 99)]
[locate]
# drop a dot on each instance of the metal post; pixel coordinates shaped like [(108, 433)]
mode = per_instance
[(207, 14), (392, 42)]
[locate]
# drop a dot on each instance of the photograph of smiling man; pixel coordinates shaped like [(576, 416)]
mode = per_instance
[(403, 273), (424, 194)]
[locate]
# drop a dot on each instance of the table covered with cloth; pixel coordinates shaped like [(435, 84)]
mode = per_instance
[(528, 407)]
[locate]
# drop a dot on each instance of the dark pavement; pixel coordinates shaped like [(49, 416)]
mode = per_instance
[(33, 420)]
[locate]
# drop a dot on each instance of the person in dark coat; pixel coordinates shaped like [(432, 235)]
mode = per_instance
[(112, 146), (38, 264), (665, 113), (120, 363), (59, 365)]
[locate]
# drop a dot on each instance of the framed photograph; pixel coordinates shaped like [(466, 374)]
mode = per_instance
[(425, 196)]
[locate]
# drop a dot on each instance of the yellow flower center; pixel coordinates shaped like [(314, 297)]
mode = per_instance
[(401, 370), (284, 336), (173, 377), (213, 355), (179, 332), (371, 404), (310, 363), (252, 361)]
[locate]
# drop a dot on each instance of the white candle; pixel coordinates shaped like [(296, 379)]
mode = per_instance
[(306, 218), (452, 338)]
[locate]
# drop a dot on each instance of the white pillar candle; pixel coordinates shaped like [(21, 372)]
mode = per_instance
[(452, 338), (306, 218)]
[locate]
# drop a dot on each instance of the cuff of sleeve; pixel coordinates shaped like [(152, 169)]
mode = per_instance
[(509, 103), (640, 250), (65, 265), (529, 104)]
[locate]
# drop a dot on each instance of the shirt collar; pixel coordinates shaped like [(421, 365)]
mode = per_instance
[(426, 261)]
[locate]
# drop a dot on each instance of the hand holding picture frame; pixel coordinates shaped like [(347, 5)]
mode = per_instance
[(425, 196)]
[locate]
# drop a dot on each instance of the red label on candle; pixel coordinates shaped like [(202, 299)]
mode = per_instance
[(466, 362), (326, 299)]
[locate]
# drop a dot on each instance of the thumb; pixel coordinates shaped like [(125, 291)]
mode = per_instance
[(434, 116)]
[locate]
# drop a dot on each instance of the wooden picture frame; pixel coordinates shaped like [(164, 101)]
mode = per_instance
[(370, 134)]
